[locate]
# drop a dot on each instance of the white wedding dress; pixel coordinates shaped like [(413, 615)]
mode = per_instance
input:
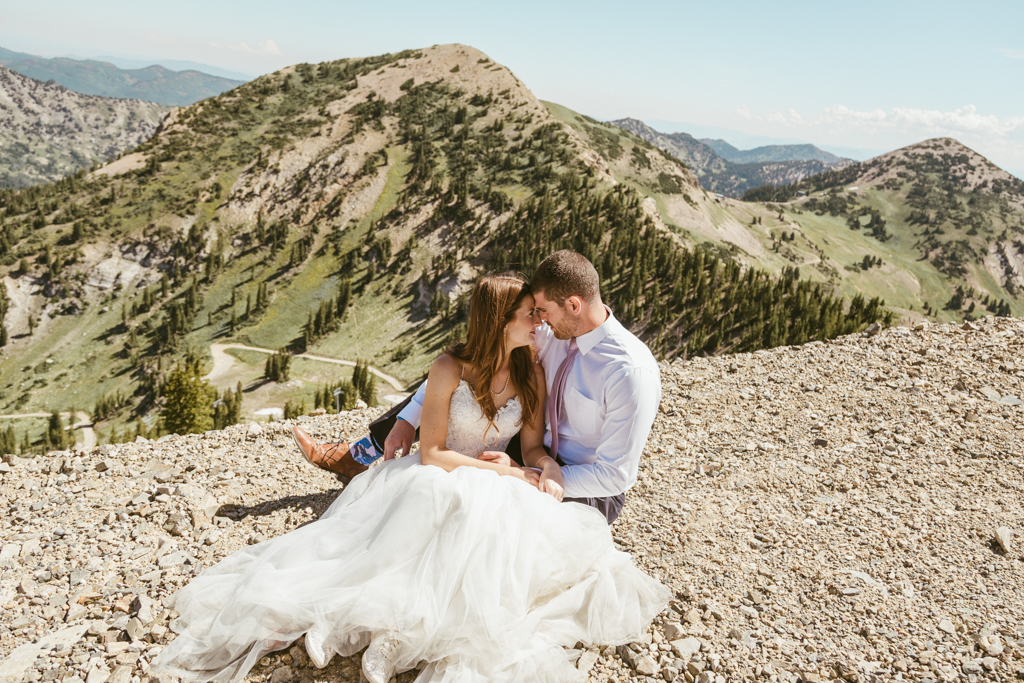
[(481, 577)]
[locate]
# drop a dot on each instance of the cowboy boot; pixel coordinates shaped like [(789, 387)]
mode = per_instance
[(333, 457)]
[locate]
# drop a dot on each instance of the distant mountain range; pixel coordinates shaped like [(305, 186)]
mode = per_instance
[(123, 62), (770, 153), (724, 169), (48, 131), (92, 77), (743, 140)]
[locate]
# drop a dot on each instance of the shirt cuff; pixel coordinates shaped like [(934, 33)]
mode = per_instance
[(412, 414)]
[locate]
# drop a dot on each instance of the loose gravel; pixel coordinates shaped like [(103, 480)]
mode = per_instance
[(843, 510)]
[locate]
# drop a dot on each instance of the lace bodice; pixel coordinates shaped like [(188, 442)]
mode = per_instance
[(467, 423)]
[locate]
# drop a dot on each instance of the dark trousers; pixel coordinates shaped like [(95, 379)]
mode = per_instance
[(609, 506)]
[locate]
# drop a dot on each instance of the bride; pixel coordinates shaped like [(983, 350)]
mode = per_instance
[(450, 560)]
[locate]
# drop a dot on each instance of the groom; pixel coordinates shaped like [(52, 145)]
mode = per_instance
[(603, 387)]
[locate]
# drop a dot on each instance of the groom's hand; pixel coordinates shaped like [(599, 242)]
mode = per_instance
[(527, 474), (400, 437), (551, 478), (498, 458)]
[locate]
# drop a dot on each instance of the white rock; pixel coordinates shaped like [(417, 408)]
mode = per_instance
[(685, 648), (145, 608), (1004, 536), (993, 645), (674, 631), (587, 660)]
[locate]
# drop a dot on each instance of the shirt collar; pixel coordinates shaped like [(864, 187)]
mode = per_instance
[(585, 342)]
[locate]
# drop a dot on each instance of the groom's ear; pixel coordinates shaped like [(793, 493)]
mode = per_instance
[(575, 304)]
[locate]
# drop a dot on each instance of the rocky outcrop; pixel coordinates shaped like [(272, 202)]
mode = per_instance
[(849, 509), (691, 151), (734, 174), (47, 131)]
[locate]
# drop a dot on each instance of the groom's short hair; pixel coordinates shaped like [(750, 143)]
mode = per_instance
[(564, 274)]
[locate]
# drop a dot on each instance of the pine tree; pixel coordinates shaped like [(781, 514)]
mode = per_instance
[(8, 441), (188, 400), (277, 367), (368, 391), (55, 438), (228, 408)]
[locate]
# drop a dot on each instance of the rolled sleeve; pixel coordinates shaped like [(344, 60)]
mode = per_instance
[(632, 399), (413, 412)]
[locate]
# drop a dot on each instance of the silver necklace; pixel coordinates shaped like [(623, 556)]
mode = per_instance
[(506, 384)]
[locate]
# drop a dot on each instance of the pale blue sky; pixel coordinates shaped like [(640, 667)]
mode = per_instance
[(868, 75)]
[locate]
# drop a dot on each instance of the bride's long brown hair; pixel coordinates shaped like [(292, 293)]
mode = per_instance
[(494, 302)]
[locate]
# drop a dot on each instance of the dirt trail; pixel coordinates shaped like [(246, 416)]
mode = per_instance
[(84, 424), (222, 362)]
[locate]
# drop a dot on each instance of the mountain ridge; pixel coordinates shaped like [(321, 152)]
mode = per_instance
[(345, 208), (867, 241)]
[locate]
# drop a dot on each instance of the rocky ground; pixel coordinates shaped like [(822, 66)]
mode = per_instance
[(847, 510)]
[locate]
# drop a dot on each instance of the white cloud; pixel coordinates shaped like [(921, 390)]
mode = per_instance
[(841, 113), (1012, 54), (926, 121), (264, 47), (1000, 139), (245, 56)]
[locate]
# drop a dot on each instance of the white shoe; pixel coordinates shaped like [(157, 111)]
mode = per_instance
[(315, 649), (379, 658)]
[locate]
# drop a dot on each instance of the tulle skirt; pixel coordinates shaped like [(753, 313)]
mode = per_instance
[(481, 578)]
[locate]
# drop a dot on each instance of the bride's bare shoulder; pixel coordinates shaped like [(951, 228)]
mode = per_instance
[(446, 370)]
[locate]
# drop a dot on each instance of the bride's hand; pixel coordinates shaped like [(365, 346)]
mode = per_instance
[(497, 457)]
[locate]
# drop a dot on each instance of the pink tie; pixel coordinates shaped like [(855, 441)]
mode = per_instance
[(555, 406)]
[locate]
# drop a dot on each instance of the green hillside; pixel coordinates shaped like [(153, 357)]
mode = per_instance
[(344, 209), (934, 229), (91, 77), (944, 225)]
